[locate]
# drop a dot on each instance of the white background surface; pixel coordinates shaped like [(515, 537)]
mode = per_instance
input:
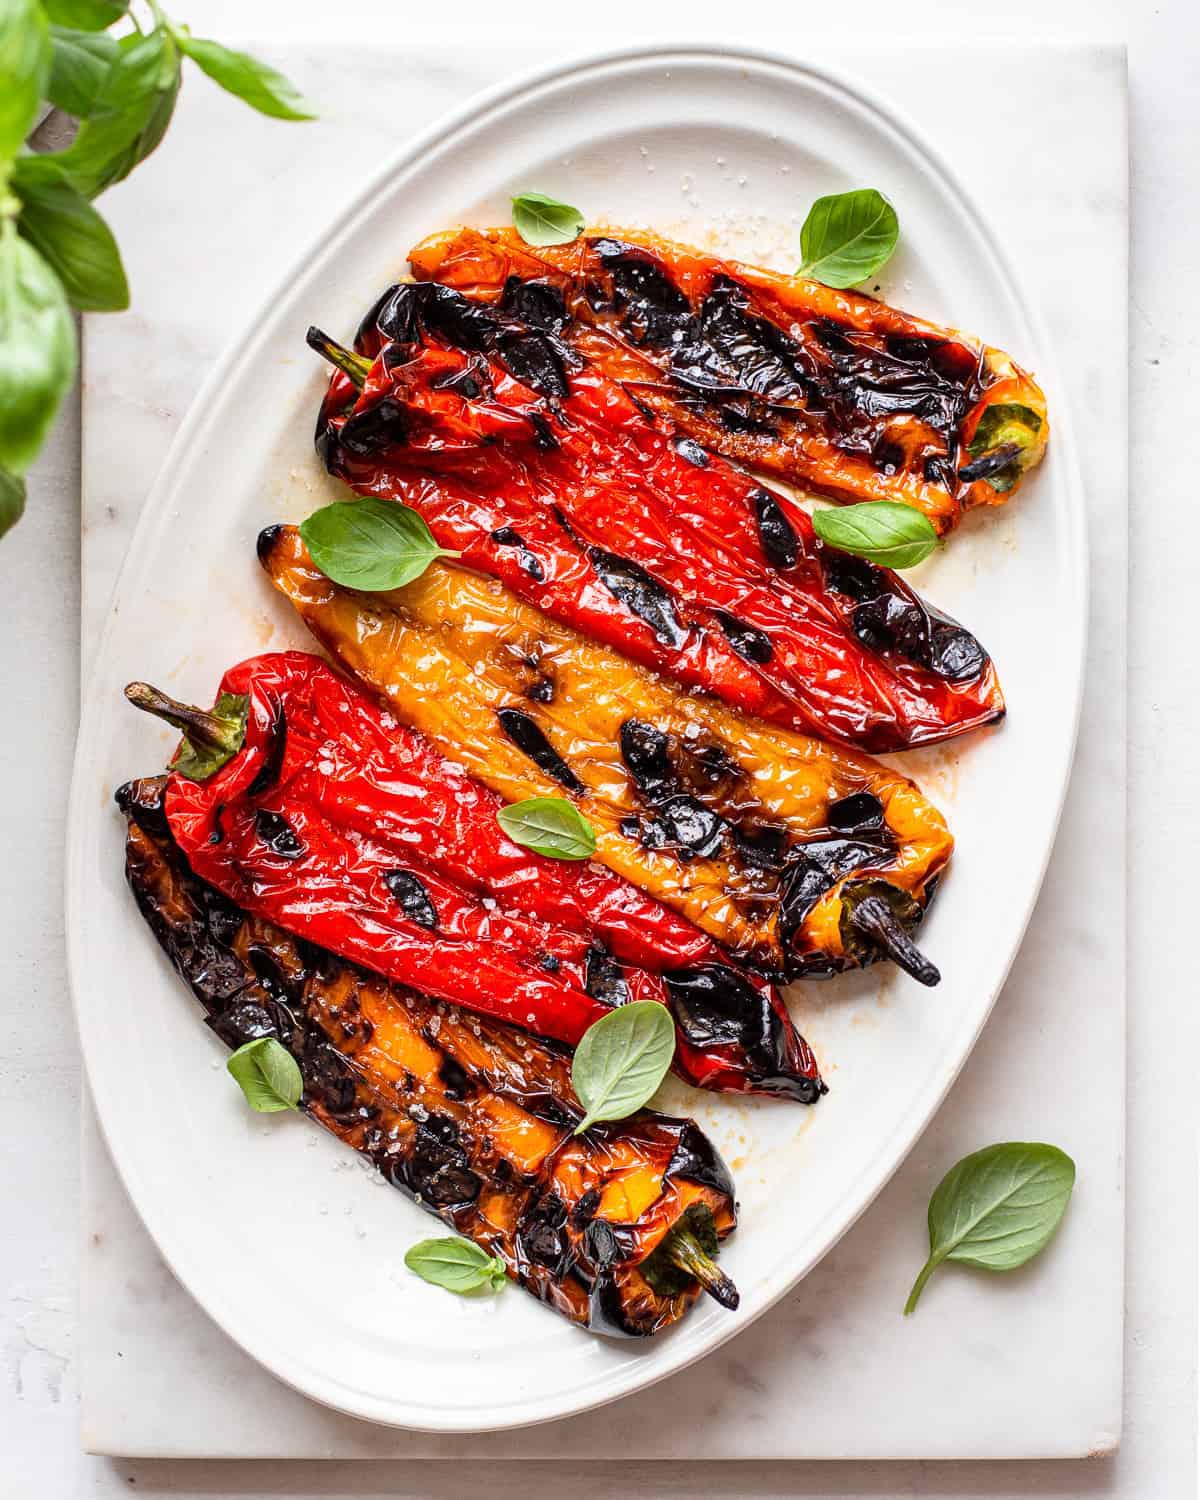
[(38, 1076)]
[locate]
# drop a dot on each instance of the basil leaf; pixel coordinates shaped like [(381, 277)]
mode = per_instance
[(24, 67), (622, 1059), (997, 1208), (88, 15), (459, 1266), (12, 500), (37, 349), (70, 236), (549, 825), (252, 81), (371, 544), (1000, 444), (848, 237), (545, 221), (883, 531), (268, 1075), (79, 64), (129, 116)]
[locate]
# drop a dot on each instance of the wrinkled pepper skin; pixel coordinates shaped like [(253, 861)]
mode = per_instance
[(831, 390), (557, 484), (767, 840), (471, 1118), (353, 832)]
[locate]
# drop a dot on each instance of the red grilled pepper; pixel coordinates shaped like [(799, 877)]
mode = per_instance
[(309, 806), (558, 484)]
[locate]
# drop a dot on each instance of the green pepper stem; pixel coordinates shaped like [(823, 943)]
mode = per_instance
[(200, 726), (683, 1249), (356, 366), (875, 921)]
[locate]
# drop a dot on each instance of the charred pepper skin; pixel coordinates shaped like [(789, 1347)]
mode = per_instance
[(761, 837), (471, 1118), (618, 526), (353, 832), (831, 390)]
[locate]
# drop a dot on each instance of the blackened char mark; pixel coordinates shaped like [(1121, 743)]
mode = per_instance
[(274, 830), (680, 820), (749, 643), (817, 865), (653, 308), (889, 616), (541, 1234), (505, 536), (412, 898), (536, 360), (537, 303), (733, 352), (640, 593), (861, 812), (697, 1160), (691, 451), (437, 1168), (526, 735), (603, 979), (268, 773), (775, 531), (384, 425)]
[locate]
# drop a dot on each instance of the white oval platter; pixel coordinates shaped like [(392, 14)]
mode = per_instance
[(270, 1224)]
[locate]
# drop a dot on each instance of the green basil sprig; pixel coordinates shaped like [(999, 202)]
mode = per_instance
[(997, 1209), (622, 1059), (549, 825), (545, 221), (459, 1266), (268, 1075), (848, 237), (122, 90), (882, 531), (370, 544), (37, 349)]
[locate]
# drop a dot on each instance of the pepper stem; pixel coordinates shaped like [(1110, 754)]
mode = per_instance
[(684, 1250), (198, 724), (874, 920), (356, 366)]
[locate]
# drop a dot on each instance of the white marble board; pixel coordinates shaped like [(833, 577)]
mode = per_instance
[(1023, 1367)]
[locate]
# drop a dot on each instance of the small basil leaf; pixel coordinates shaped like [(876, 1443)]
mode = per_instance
[(197, 760), (997, 1208), (549, 825), (129, 115), (70, 235), (78, 68), (622, 1059), (268, 1075), (248, 79), (371, 544), (87, 15), (459, 1266), (12, 500), (545, 221), (24, 68), (1000, 444), (848, 237), (37, 349), (882, 531)]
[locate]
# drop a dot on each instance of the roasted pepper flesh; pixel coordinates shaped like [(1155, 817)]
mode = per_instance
[(831, 390), (353, 832), (767, 840), (471, 1118), (557, 484)]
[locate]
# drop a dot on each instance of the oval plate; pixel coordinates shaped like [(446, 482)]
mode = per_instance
[(268, 1222)]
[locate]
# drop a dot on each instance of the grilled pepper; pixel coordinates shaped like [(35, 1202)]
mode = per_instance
[(797, 856), (615, 1229), (309, 806), (831, 390), (556, 483)]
